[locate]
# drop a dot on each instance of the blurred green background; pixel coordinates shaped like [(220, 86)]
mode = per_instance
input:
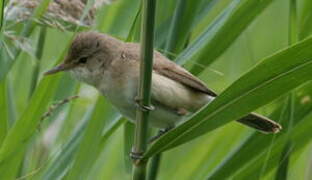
[(87, 138)]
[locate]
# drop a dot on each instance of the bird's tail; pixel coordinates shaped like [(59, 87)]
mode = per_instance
[(256, 121), (260, 123)]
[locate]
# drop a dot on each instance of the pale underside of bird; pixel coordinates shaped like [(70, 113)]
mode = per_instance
[(113, 67)]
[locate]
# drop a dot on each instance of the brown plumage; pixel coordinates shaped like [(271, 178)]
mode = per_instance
[(112, 67)]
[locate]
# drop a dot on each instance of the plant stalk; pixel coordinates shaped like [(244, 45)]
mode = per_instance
[(39, 52), (171, 44), (144, 90), (283, 168), (1, 14), (154, 167), (293, 23)]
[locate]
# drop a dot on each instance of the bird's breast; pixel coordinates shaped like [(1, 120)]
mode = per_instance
[(120, 91)]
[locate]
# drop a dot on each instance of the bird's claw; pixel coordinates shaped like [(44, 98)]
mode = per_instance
[(143, 107), (161, 132), (136, 155)]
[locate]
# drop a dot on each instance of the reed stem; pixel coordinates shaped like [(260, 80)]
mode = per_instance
[(144, 90)]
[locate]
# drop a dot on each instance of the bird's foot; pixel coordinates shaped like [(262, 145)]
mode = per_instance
[(182, 111), (142, 107), (161, 132), (137, 157)]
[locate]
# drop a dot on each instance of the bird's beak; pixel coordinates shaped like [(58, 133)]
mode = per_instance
[(59, 68)]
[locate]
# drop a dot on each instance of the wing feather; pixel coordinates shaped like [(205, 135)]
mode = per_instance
[(175, 72), (165, 67)]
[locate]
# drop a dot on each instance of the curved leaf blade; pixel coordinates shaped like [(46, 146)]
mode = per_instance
[(90, 148), (247, 151), (15, 143), (277, 75), (300, 135), (181, 24)]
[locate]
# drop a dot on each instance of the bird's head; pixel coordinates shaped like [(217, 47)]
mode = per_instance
[(89, 54)]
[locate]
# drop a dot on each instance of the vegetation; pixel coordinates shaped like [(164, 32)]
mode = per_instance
[(255, 54)]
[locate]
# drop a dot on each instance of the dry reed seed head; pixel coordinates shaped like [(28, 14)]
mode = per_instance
[(66, 10)]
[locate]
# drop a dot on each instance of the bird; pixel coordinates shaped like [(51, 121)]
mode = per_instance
[(113, 68)]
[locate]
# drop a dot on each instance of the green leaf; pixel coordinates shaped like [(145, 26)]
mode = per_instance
[(116, 19), (16, 141), (89, 147), (300, 135), (270, 79), (3, 111), (39, 52), (1, 14), (19, 135), (134, 32), (284, 163), (184, 16), (305, 20), (222, 32), (26, 32), (256, 144), (59, 163), (128, 142)]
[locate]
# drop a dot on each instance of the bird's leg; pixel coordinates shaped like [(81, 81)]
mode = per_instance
[(160, 133), (142, 107), (138, 156)]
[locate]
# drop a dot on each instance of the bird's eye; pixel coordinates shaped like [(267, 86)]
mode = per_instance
[(82, 60)]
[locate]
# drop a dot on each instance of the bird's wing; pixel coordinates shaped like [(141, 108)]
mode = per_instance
[(175, 72), (172, 87), (169, 69)]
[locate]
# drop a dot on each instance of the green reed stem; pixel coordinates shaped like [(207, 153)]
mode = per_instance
[(144, 91)]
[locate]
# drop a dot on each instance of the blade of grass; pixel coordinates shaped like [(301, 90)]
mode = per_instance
[(39, 52), (1, 14), (273, 77), (62, 161), (164, 20), (282, 170), (154, 167), (222, 32), (19, 135), (59, 163), (16, 141), (3, 112), (282, 166), (181, 24), (204, 10), (89, 147), (300, 136), (134, 33), (117, 18), (305, 19), (128, 142), (27, 30), (258, 143), (287, 116)]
